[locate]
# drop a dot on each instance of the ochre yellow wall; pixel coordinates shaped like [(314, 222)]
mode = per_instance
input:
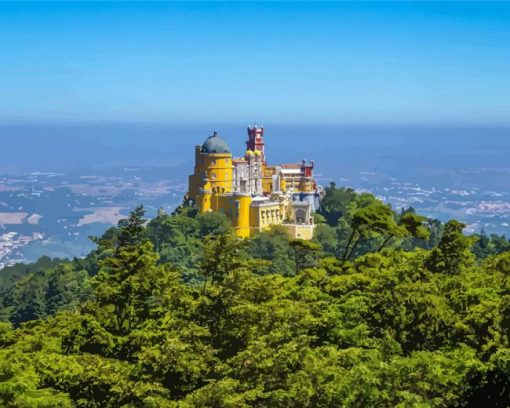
[(305, 186), (243, 204), (267, 178), (263, 217), (283, 184), (205, 202), (236, 208), (300, 231), (217, 168)]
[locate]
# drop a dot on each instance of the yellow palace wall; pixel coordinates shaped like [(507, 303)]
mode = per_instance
[(217, 168)]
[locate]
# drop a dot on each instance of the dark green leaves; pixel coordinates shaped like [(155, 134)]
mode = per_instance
[(182, 313)]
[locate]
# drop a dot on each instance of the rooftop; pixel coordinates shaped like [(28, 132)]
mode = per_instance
[(215, 144)]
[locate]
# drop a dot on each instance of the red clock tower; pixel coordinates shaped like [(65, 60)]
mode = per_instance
[(256, 140)]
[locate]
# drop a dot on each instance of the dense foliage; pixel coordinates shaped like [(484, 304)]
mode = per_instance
[(379, 310)]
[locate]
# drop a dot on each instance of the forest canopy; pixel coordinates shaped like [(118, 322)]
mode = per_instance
[(380, 309)]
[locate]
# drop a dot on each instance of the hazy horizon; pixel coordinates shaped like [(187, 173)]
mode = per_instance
[(416, 151)]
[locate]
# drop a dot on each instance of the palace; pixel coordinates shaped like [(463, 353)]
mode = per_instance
[(253, 194)]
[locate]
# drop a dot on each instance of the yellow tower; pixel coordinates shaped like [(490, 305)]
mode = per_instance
[(242, 223), (213, 173), (206, 197)]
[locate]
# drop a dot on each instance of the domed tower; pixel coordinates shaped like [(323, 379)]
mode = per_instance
[(213, 169)]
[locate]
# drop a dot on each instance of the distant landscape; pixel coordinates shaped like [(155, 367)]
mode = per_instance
[(90, 175)]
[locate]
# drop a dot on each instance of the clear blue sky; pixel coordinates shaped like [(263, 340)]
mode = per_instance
[(280, 61)]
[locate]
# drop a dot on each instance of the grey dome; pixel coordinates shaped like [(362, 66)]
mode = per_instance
[(215, 144)]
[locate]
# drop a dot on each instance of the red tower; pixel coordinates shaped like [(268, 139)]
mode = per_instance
[(256, 140), (307, 169)]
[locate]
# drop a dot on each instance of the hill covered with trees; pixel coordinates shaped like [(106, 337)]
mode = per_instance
[(379, 310)]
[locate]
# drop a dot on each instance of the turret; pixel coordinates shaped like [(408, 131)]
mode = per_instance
[(307, 169), (306, 183), (255, 170), (255, 141), (205, 197)]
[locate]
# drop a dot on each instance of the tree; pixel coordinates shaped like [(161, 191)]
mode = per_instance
[(375, 218), (336, 203), (327, 237), (388, 328), (485, 246), (499, 244), (213, 223), (273, 246), (45, 292), (481, 245), (452, 251), (11, 274), (411, 225), (305, 254), (129, 278), (221, 256), (131, 229)]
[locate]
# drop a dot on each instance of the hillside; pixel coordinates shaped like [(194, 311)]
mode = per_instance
[(381, 309)]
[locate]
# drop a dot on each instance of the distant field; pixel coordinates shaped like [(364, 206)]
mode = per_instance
[(66, 182)]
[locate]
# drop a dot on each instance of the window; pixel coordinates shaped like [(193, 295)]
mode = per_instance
[(213, 175), (213, 162)]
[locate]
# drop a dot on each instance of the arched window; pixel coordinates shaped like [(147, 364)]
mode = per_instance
[(213, 175)]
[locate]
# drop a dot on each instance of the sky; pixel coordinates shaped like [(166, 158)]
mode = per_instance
[(281, 62)]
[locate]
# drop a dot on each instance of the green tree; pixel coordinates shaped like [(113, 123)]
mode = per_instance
[(221, 255), (305, 254), (452, 251), (128, 279), (275, 247), (213, 223), (389, 328), (336, 203), (376, 218)]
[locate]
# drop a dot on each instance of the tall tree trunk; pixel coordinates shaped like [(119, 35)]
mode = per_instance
[(385, 242), (354, 247), (344, 257)]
